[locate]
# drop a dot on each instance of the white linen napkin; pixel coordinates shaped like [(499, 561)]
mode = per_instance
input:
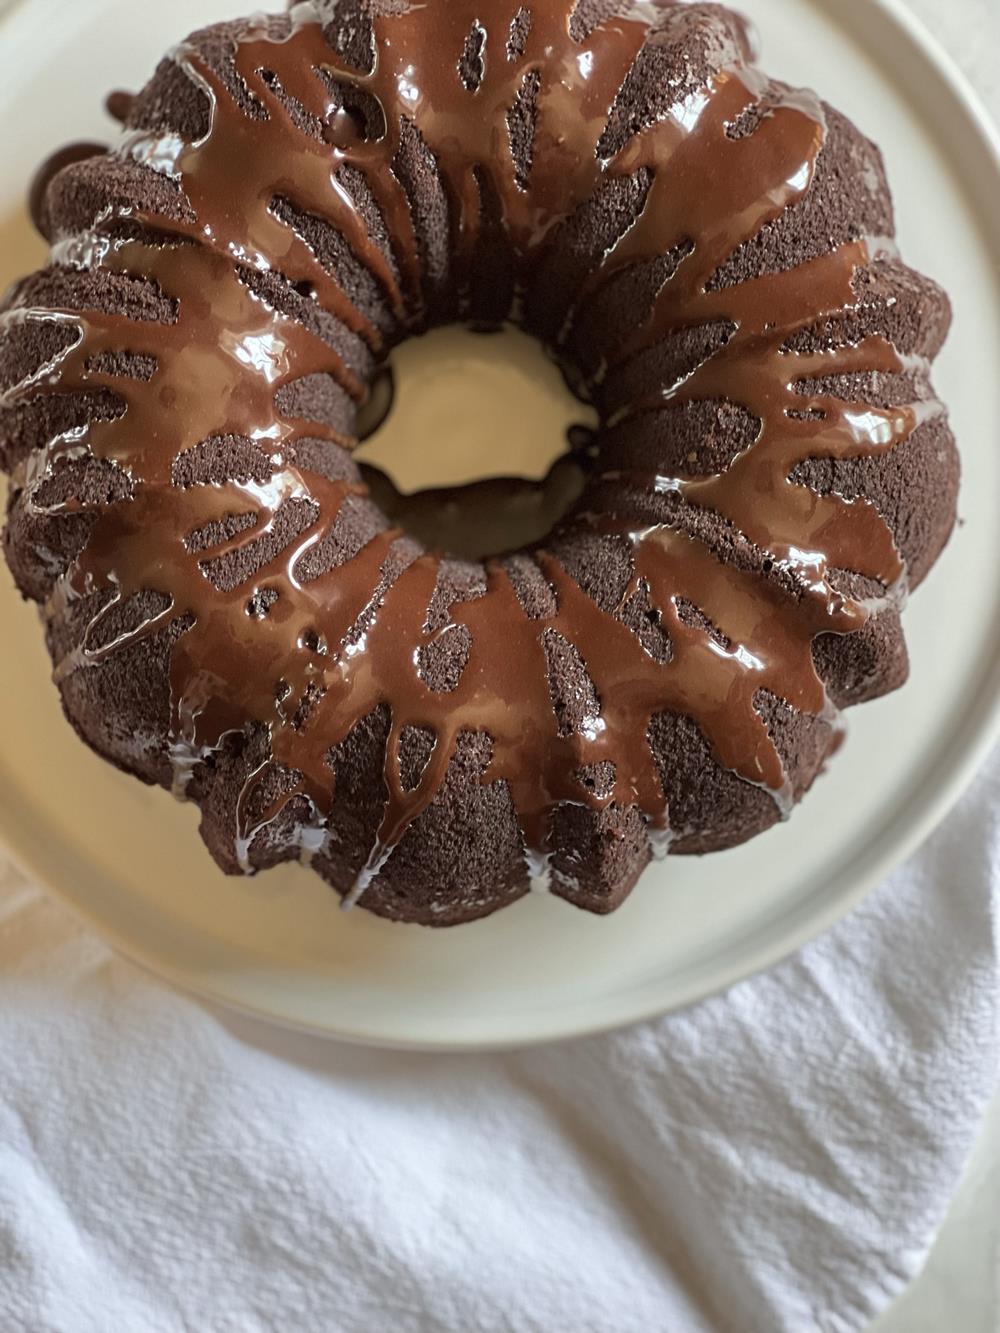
[(777, 1158)]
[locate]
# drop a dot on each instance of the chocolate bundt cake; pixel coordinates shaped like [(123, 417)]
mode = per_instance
[(708, 255)]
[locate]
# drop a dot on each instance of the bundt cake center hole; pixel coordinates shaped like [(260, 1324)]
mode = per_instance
[(473, 442)]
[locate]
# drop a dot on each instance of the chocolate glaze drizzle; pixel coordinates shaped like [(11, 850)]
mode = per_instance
[(334, 648)]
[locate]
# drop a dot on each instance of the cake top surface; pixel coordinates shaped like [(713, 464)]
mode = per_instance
[(528, 115)]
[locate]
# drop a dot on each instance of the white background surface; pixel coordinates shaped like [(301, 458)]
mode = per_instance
[(959, 1288)]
